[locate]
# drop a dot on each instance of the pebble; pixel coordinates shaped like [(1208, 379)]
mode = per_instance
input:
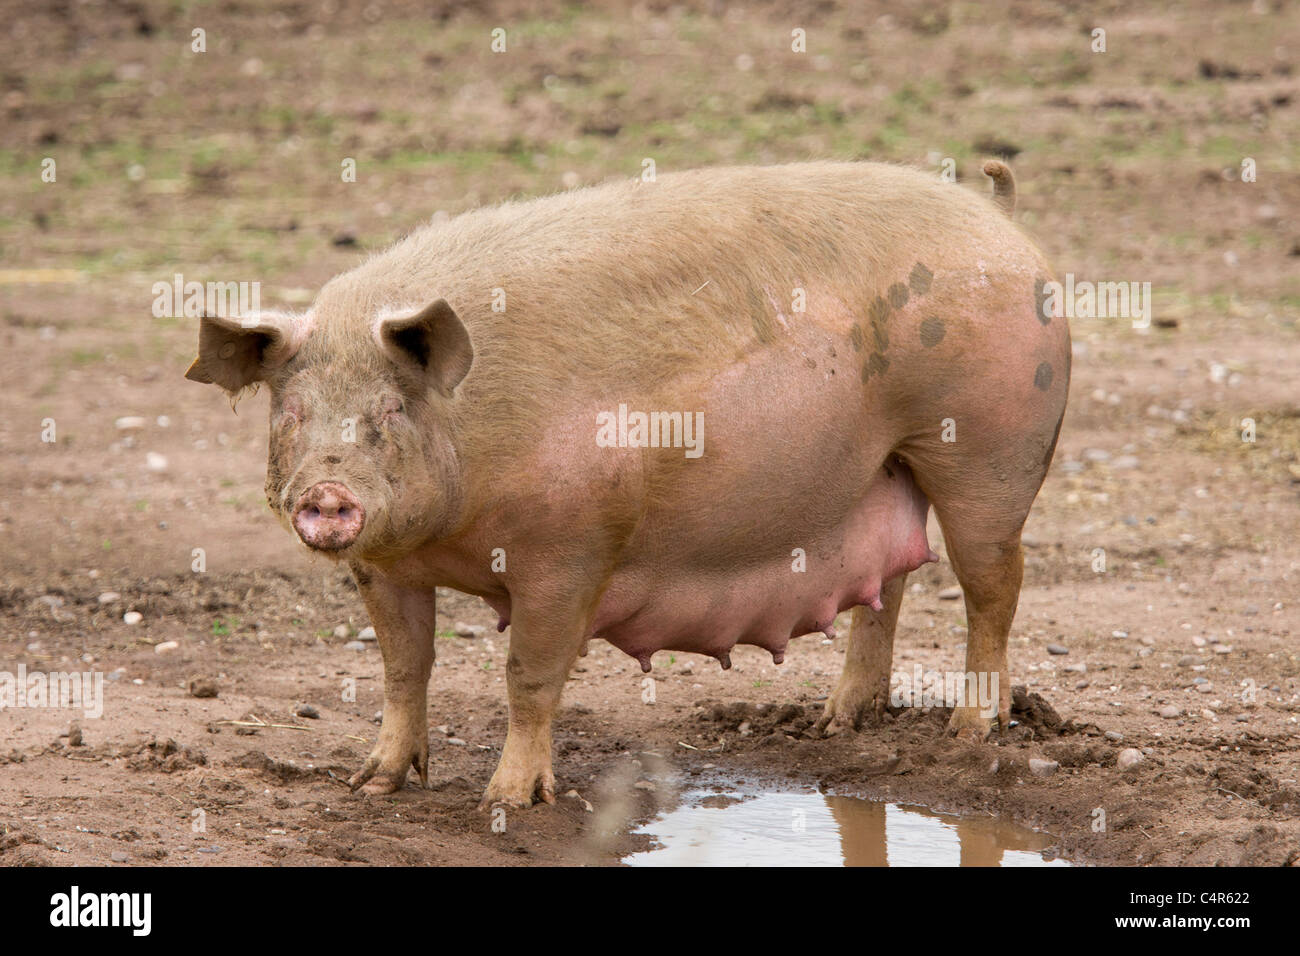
[(1206, 688), (108, 597), (949, 594), (75, 738), (203, 687), (132, 617), (1057, 649), (306, 710), (456, 742), (1198, 641), (1076, 668), (1129, 757), (1170, 711), (1126, 463), (129, 423), (1147, 641), (166, 647), (1222, 649), (155, 462), (118, 856), (1043, 768), (1187, 660), (1114, 735), (354, 646), (462, 629), (342, 631), (645, 785), (367, 634)]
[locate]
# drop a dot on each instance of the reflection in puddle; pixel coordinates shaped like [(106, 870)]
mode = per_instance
[(815, 829)]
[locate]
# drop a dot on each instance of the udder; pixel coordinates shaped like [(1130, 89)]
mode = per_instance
[(768, 598)]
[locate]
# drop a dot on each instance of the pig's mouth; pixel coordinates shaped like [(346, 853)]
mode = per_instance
[(328, 517)]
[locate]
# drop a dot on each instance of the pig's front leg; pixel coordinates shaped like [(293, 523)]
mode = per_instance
[(405, 625), (543, 647)]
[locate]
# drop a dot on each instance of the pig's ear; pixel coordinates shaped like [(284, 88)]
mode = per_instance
[(237, 351), (433, 339)]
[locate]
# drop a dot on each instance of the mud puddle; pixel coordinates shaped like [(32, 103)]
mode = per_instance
[(807, 828)]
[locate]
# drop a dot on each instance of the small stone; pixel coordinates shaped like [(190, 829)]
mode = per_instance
[(1147, 641), (1129, 757), (117, 856), (75, 738), (166, 647), (1187, 660), (108, 597), (132, 617), (308, 711), (1222, 649), (1170, 711), (1057, 649), (645, 785), (949, 594), (202, 687), (1206, 688), (342, 631), (1076, 668), (456, 742), (1198, 641), (354, 646), (1043, 768), (461, 629), (155, 462), (1114, 735), (129, 423), (1119, 633), (367, 634), (1126, 463), (1082, 685)]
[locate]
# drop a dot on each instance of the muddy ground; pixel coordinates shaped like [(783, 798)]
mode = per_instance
[(1162, 554)]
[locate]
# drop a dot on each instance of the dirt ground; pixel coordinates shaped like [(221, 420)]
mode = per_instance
[(1163, 552)]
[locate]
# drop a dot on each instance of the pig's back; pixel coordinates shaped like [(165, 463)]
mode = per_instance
[(616, 288)]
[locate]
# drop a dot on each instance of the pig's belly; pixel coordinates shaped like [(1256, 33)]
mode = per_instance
[(664, 600)]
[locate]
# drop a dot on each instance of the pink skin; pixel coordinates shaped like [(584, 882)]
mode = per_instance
[(328, 517)]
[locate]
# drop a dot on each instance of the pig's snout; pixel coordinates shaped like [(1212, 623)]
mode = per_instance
[(328, 517)]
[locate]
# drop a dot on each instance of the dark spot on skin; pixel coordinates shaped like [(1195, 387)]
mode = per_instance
[(898, 295), (879, 311), (882, 337), (932, 331), (332, 459), (855, 336), (880, 323), (1043, 377), (810, 362), (876, 365), (1041, 296), (919, 280)]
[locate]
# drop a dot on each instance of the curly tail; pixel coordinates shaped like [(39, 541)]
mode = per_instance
[(1004, 184)]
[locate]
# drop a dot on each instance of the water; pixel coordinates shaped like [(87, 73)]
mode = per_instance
[(816, 829)]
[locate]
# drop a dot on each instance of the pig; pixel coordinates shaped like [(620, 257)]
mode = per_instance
[(498, 404)]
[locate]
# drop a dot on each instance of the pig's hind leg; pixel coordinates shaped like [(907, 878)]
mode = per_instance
[(863, 687)]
